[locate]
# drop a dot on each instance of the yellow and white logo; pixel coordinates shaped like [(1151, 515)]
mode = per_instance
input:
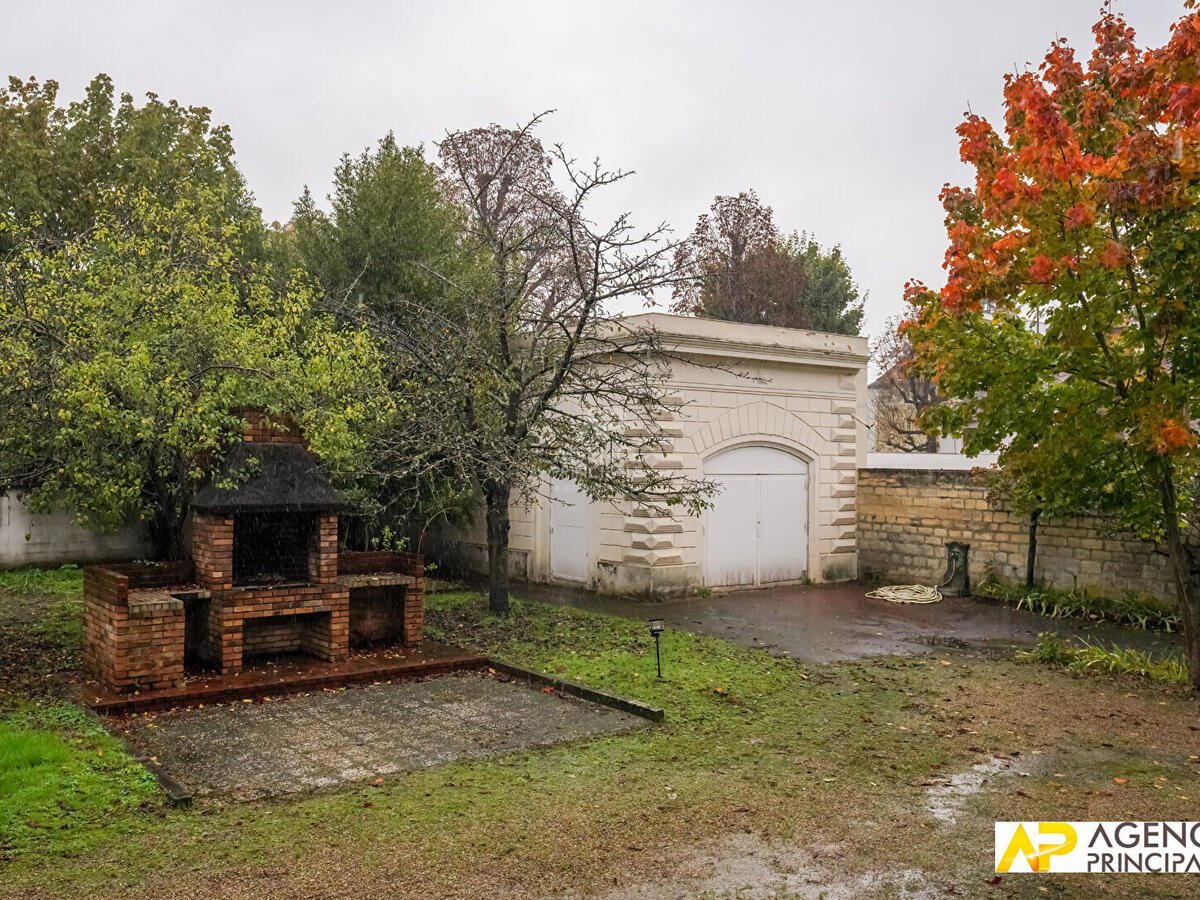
[(1110, 847), (1053, 839)]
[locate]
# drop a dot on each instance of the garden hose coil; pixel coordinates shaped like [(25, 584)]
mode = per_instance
[(912, 593), (906, 593)]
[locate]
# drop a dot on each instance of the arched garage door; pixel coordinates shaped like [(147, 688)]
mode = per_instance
[(757, 530)]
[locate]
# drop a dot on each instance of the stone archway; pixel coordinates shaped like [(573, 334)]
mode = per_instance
[(761, 421), (756, 532)]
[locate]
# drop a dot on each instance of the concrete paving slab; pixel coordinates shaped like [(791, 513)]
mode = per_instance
[(245, 751)]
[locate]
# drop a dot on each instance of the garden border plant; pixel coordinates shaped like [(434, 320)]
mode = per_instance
[(1093, 659), (1143, 612)]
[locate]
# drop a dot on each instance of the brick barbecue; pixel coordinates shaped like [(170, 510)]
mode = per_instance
[(265, 579)]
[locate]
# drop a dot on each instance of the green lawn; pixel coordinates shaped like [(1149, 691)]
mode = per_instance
[(800, 771), (41, 625)]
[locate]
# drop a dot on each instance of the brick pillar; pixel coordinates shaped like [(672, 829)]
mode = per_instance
[(154, 645), (322, 551), (212, 550), (133, 638), (223, 645), (105, 614), (414, 603), (329, 637)]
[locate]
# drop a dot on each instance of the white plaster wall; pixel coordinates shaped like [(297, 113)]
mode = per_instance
[(30, 539), (814, 410), (803, 409)]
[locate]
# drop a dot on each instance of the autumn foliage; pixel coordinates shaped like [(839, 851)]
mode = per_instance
[(1067, 334), (737, 265)]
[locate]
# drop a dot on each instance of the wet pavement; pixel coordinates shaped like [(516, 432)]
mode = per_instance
[(832, 623), (246, 751)]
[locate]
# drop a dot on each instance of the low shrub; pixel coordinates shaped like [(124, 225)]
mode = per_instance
[(1136, 611), (1087, 658)]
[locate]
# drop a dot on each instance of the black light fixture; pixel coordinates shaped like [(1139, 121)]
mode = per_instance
[(657, 627)]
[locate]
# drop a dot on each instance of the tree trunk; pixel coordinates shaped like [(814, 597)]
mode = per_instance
[(1183, 572), (1031, 556), (497, 495), (166, 533)]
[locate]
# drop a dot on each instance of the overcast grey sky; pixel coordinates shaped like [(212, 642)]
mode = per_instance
[(841, 114)]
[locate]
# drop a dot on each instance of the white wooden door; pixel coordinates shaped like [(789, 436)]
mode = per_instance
[(782, 527), (756, 533), (729, 533), (570, 532)]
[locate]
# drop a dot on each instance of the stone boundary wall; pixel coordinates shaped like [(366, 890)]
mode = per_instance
[(906, 516)]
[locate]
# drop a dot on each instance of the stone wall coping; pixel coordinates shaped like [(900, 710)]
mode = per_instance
[(959, 474)]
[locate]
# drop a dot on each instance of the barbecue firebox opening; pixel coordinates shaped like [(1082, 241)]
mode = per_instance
[(273, 547)]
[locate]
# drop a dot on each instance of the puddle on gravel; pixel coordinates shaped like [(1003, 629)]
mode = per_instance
[(746, 867), (945, 799), (983, 648)]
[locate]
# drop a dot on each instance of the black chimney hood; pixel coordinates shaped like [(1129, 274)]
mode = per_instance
[(268, 477)]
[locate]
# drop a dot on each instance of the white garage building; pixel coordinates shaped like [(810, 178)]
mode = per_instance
[(784, 449)]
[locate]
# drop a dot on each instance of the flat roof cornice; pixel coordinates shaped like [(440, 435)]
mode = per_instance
[(768, 343)]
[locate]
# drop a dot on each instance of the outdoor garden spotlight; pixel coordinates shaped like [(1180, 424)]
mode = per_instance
[(657, 627)]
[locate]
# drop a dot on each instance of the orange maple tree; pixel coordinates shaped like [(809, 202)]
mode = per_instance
[(1067, 334)]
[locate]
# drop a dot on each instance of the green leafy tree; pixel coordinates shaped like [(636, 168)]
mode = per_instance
[(829, 299), (391, 246), (60, 164), (132, 328), (389, 234), (1066, 335)]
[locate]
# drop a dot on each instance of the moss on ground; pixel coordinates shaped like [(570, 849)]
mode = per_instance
[(833, 760)]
